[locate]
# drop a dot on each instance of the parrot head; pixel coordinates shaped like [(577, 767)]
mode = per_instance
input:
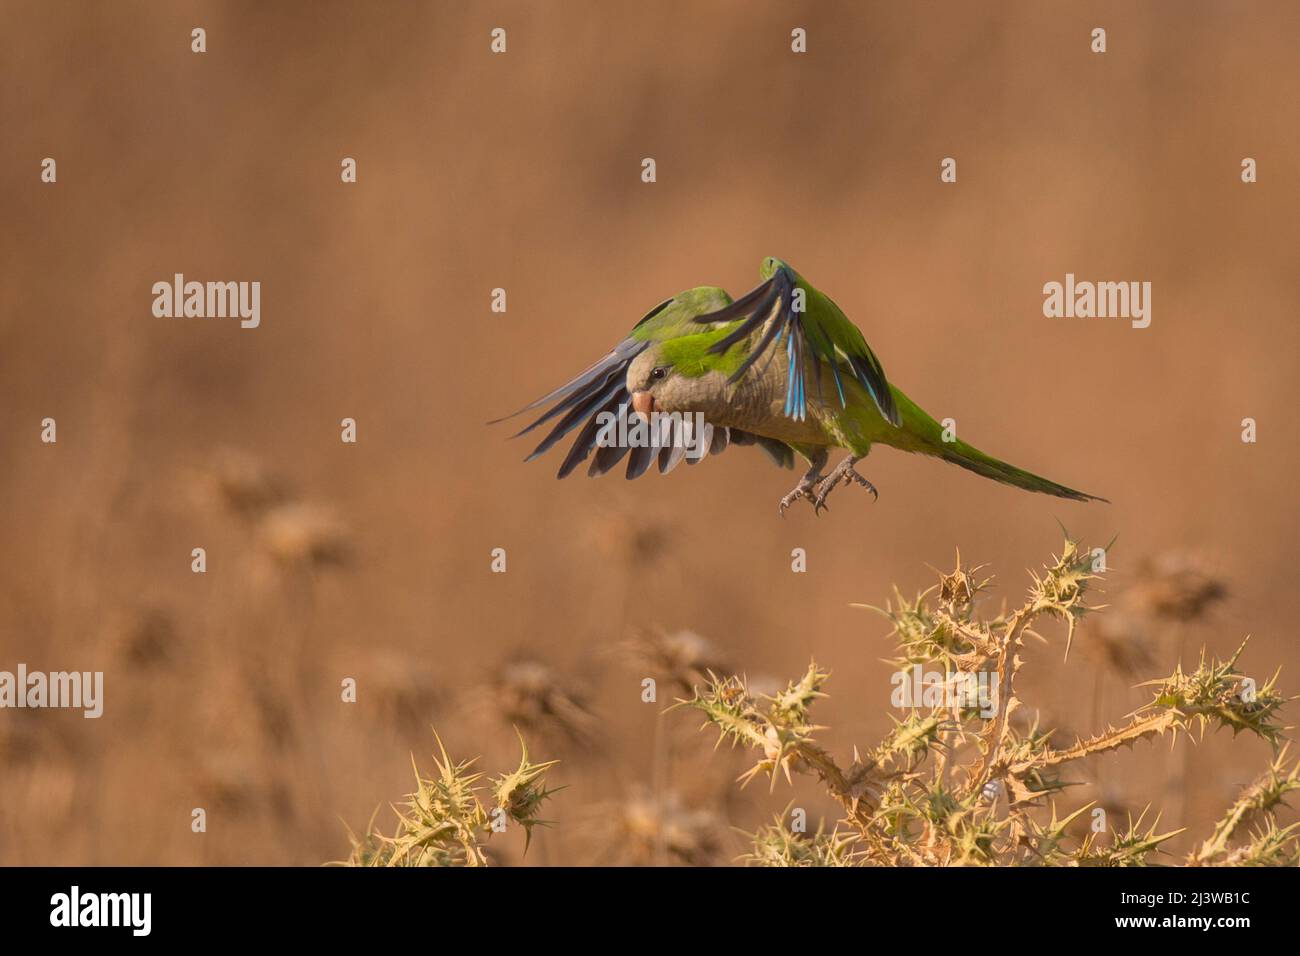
[(680, 375), (667, 375), (771, 265), (651, 381)]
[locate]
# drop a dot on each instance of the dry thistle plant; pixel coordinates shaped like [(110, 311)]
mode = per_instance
[(292, 532), (447, 822), (682, 658), (956, 783), (529, 694), (648, 828)]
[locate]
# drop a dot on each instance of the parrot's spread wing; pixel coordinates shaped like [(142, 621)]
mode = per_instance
[(586, 401), (822, 334), (582, 401), (592, 381)]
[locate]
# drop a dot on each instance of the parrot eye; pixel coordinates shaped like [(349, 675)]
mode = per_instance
[(659, 373)]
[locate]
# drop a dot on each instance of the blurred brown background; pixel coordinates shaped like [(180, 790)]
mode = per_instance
[(328, 560)]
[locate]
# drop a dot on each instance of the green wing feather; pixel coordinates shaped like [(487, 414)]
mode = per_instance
[(677, 316), (786, 309), (601, 389)]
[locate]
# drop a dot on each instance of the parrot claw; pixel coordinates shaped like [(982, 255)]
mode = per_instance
[(875, 495), (843, 473), (804, 489), (807, 487)]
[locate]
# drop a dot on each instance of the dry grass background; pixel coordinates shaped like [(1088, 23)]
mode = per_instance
[(476, 171)]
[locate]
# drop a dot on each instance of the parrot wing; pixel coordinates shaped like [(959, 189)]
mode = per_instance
[(819, 331), (600, 390)]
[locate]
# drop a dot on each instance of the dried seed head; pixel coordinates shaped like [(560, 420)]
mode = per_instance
[(238, 482), (1176, 586), (682, 657), (304, 535), (528, 694)]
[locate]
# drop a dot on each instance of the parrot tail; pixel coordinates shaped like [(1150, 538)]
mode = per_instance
[(926, 437), (972, 459)]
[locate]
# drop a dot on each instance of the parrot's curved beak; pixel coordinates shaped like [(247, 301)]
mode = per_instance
[(643, 403)]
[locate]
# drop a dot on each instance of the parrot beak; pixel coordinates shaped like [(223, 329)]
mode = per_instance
[(643, 403)]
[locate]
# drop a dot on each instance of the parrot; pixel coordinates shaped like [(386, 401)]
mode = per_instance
[(742, 367)]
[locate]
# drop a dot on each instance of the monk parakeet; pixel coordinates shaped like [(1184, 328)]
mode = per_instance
[(781, 368)]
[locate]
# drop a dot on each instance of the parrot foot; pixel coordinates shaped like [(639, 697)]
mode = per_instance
[(843, 473), (806, 490), (807, 487)]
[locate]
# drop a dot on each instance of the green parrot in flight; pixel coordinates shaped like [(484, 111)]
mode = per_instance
[(743, 367)]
